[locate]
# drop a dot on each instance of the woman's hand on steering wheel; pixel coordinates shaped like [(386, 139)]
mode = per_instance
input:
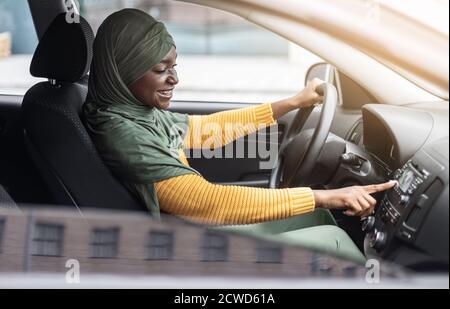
[(294, 167), (356, 200), (308, 96)]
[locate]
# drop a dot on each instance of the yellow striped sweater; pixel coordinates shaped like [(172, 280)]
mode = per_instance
[(194, 198)]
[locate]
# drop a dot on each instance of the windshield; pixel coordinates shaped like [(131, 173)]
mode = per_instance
[(409, 37)]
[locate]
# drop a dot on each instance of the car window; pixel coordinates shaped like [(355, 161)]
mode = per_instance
[(221, 57), (128, 244), (18, 40)]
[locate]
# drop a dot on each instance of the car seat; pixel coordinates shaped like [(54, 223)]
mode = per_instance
[(55, 136)]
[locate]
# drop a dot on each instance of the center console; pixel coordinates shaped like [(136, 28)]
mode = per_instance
[(410, 226)]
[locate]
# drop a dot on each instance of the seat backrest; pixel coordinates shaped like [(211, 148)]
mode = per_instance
[(54, 133)]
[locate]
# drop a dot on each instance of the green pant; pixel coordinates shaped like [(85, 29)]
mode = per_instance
[(317, 231)]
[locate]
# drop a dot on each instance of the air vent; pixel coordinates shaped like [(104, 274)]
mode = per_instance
[(356, 134)]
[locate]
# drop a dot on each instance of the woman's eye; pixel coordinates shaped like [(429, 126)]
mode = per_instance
[(161, 71)]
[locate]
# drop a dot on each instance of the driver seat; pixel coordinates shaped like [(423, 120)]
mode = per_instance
[(54, 133)]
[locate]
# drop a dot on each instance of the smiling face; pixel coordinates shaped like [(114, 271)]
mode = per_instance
[(155, 88)]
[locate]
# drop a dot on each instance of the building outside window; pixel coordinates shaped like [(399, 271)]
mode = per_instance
[(320, 266), (350, 271), (214, 248), (48, 239), (160, 246), (269, 253), (105, 243)]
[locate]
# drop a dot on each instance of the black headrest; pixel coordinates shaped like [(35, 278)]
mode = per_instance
[(65, 51)]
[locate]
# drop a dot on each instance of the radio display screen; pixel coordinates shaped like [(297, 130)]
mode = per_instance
[(406, 180)]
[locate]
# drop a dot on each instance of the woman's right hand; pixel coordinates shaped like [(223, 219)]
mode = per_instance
[(356, 200)]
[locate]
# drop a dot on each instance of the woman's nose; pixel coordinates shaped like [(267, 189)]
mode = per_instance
[(173, 77)]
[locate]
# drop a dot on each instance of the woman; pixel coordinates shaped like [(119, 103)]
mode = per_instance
[(132, 80)]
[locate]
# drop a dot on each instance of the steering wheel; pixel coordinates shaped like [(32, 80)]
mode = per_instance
[(301, 148)]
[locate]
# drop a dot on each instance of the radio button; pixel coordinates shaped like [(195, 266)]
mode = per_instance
[(404, 200), (425, 173)]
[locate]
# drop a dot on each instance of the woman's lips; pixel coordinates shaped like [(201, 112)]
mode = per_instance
[(166, 93)]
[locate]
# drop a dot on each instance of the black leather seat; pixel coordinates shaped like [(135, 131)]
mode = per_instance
[(54, 133)]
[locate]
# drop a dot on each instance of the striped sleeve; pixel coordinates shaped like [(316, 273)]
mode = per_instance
[(222, 128), (193, 198)]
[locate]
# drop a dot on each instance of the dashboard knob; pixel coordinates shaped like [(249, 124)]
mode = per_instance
[(404, 200), (377, 240), (369, 224)]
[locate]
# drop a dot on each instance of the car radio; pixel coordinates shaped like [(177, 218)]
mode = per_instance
[(410, 225), (409, 178), (400, 212)]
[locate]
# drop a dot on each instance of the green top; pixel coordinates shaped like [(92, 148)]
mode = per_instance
[(138, 143)]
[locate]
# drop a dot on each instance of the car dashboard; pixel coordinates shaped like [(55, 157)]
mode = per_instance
[(411, 224)]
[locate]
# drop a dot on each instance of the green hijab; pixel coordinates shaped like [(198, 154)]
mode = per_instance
[(138, 143)]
